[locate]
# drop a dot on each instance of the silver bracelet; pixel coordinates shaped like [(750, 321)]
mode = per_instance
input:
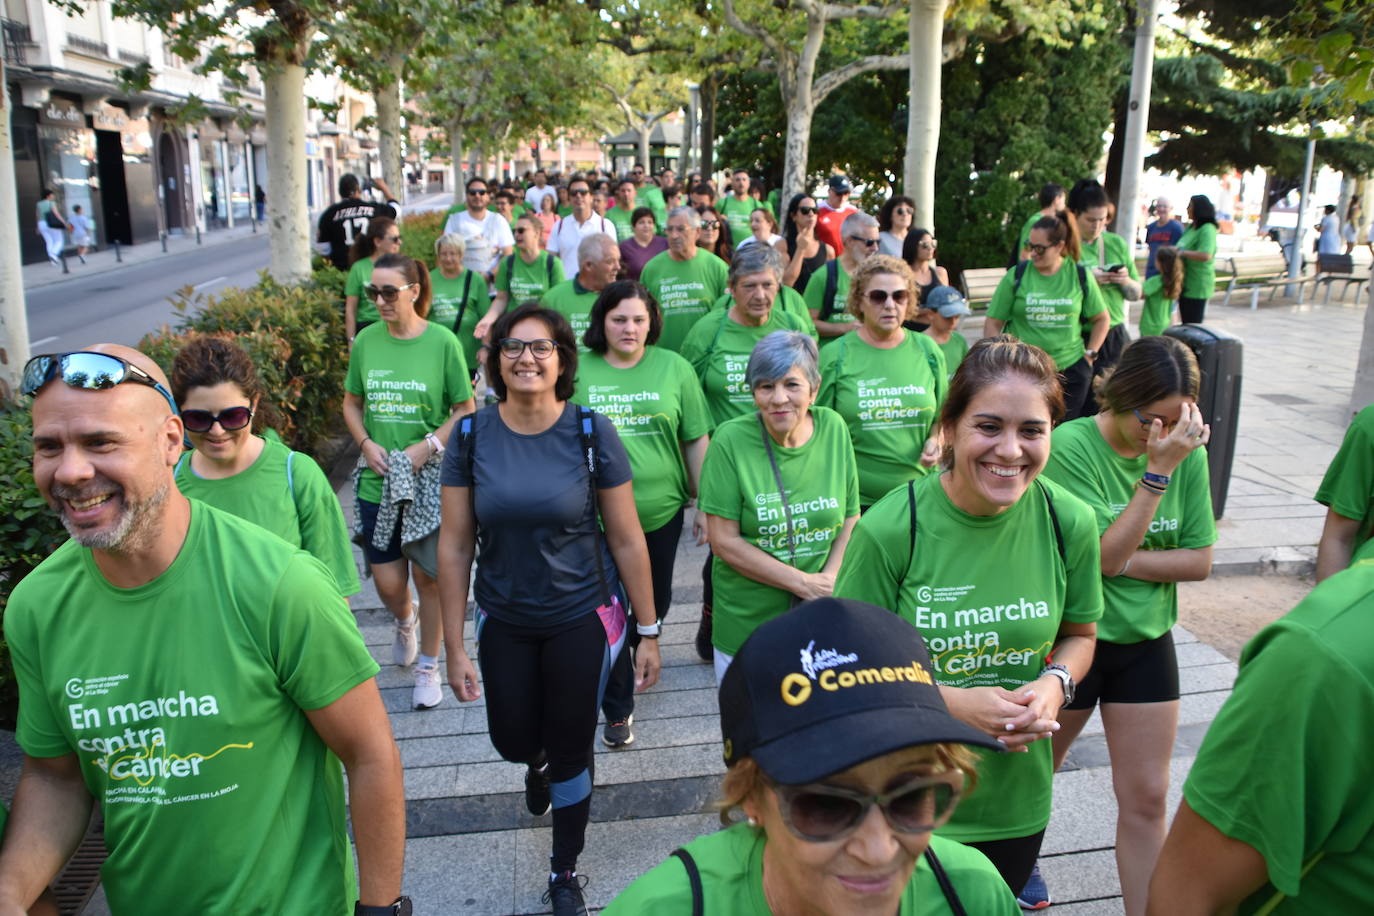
[(1125, 566)]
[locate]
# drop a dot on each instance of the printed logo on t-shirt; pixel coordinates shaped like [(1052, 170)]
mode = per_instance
[(884, 406), (1048, 311), (737, 390), (806, 538), (130, 741), (387, 399), (968, 641), (682, 297), (625, 410)]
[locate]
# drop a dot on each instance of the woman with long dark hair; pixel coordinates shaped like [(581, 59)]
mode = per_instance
[(1198, 249), (918, 250), (894, 224), (806, 253)]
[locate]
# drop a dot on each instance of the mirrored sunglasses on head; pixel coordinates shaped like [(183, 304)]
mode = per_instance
[(86, 370)]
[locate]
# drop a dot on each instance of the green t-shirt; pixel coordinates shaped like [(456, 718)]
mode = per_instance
[(889, 399), (656, 405), (286, 493), (1156, 312), (1083, 463), (954, 349), (788, 300), (1305, 791), (1199, 277), (1110, 249), (1045, 311), (574, 302), (449, 303), (731, 866), (684, 291), (736, 214), (183, 701), (651, 196), (737, 482), (989, 594), (359, 275), (408, 388), (815, 297), (528, 281), (624, 228), (1348, 487), (718, 350)]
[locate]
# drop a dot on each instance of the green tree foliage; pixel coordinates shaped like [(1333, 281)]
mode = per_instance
[(1016, 115)]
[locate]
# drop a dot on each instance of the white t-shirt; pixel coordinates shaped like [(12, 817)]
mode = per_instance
[(773, 240), (568, 233), (1330, 241), (484, 238), (534, 196)]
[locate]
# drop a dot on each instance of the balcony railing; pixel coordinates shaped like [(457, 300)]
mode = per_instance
[(132, 57), (16, 40), (87, 45)]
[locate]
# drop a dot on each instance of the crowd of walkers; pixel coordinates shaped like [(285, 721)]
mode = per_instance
[(929, 561)]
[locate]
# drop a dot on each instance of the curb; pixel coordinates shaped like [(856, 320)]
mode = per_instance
[(91, 270)]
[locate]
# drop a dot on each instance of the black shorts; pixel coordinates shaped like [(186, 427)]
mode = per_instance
[(1136, 672), (367, 514)]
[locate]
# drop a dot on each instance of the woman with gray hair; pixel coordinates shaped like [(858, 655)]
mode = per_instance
[(719, 344), (460, 297), (780, 491)]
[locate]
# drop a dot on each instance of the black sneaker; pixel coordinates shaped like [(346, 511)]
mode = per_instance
[(705, 650), (538, 798), (565, 893), (618, 734)]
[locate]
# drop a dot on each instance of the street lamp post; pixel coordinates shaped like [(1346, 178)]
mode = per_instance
[(1137, 119), (690, 147)]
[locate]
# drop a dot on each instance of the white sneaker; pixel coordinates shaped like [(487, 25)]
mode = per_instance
[(427, 693), (405, 646)]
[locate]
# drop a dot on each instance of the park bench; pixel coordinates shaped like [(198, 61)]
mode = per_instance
[(1332, 268), (980, 283), (1255, 272)]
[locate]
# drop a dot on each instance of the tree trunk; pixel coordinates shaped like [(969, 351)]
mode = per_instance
[(288, 214), (710, 88), (388, 100), (798, 143), (926, 31), (645, 129), (455, 151), (14, 321), (480, 169)]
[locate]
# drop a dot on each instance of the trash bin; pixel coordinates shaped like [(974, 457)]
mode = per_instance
[(1219, 357)]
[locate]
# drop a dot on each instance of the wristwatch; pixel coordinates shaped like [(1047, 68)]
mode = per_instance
[(1065, 678), (398, 907), (1091, 354)]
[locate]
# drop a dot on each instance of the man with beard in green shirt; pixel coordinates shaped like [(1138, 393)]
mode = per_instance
[(685, 279), (190, 671)]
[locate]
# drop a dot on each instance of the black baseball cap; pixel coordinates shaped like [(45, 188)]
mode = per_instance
[(840, 184), (829, 685)]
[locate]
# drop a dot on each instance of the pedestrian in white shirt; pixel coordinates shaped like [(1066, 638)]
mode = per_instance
[(581, 222), (486, 232)]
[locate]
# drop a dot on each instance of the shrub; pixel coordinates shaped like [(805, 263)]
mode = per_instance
[(29, 531), (418, 233), (295, 336)]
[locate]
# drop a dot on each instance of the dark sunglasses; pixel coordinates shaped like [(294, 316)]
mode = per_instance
[(823, 813), (880, 296), (88, 371), (904, 211), (868, 243), (806, 211), (710, 224), (388, 294), (229, 419), (513, 347), (476, 191), (392, 238), (579, 192), (519, 230)]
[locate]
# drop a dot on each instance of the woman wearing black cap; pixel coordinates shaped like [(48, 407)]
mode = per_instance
[(1000, 572), (827, 713)]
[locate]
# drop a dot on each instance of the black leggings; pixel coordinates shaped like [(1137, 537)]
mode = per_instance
[(619, 701), (1013, 858), (543, 687), (1191, 311)]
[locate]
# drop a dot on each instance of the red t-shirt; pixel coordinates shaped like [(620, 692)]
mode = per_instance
[(828, 224)]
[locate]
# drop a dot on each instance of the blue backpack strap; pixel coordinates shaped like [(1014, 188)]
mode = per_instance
[(693, 879), (290, 475), (832, 282), (1054, 520), (467, 445), (181, 463), (1018, 272), (548, 270)]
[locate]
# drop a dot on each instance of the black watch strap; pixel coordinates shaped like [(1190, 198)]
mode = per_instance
[(398, 907)]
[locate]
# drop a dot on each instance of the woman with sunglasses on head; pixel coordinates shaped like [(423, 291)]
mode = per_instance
[(1043, 301), (999, 570), (918, 250), (458, 295), (894, 224), (407, 385), (715, 234), (253, 476), (654, 399), (383, 237), (805, 252), (835, 786), (886, 381), (527, 479), (1141, 465)]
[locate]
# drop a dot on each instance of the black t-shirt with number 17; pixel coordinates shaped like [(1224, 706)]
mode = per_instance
[(344, 221)]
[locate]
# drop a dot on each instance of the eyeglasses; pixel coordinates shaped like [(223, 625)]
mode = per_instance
[(710, 224), (391, 238), (88, 371), (806, 211), (579, 192), (388, 294), (880, 296), (229, 419), (1146, 421), (929, 244), (513, 347), (1041, 249), (904, 211), (475, 192), (822, 813), (868, 243)]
